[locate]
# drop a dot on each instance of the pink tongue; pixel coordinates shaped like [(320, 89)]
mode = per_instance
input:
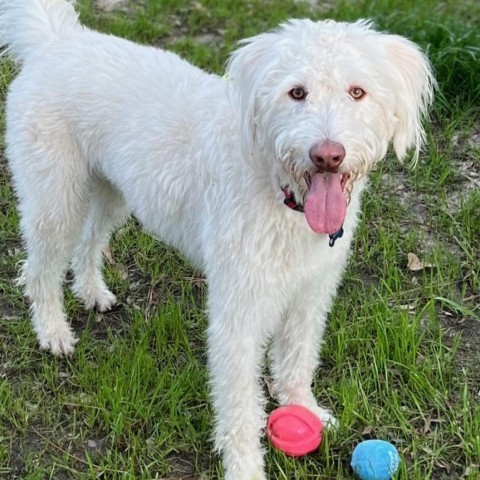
[(325, 206)]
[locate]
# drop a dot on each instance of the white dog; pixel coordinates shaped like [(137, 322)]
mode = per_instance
[(253, 176)]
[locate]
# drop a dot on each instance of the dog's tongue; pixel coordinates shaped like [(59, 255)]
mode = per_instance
[(325, 206)]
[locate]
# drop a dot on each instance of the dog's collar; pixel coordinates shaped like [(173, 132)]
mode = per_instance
[(292, 203)]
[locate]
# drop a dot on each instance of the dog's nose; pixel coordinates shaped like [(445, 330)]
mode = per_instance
[(327, 155)]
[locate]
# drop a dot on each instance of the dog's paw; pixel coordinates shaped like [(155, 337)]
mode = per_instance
[(328, 420), (309, 401), (244, 470), (60, 342), (245, 476), (102, 301), (98, 297)]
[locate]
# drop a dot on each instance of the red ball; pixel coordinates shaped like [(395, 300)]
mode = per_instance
[(294, 430)]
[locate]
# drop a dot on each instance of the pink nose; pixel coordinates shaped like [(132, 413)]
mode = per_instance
[(327, 155)]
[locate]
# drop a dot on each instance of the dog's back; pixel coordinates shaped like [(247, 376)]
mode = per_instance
[(100, 104), (92, 120)]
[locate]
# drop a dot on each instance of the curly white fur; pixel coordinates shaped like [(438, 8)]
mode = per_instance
[(99, 127)]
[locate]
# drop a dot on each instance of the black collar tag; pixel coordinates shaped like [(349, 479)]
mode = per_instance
[(335, 236)]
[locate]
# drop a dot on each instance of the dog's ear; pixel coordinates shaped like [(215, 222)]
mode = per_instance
[(248, 71), (413, 85)]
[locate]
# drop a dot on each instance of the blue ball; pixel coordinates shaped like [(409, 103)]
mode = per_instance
[(375, 460)]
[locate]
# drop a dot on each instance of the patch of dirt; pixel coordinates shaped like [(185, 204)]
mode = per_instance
[(420, 207), (468, 355), (109, 5), (318, 5), (38, 448), (467, 165), (182, 468), (213, 37)]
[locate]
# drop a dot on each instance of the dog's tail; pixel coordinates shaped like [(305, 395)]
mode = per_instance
[(29, 25)]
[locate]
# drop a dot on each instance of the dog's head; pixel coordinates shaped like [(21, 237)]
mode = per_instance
[(322, 101)]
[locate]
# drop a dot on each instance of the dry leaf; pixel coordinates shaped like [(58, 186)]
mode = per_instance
[(367, 431), (427, 425), (121, 270), (108, 255), (270, 387), (92, 444), (471, 298), (121, 232), (443, 464), (473, 468), (415, 264)]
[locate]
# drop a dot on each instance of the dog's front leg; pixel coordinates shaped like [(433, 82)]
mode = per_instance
[(296, 347), (236, 339)]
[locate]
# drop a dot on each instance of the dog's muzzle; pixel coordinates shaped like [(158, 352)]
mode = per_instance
[(292, 203)]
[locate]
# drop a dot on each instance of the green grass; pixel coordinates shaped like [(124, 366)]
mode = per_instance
[(401, 357)]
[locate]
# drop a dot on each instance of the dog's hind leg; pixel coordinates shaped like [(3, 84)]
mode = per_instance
[(107, 210), (51, 181)]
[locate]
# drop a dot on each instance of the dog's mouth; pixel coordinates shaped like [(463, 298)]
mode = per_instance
[(344, 177), (325, 203)]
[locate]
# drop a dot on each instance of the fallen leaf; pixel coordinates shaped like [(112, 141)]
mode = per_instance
[(443, 464), (270, 386), (415, 264), (367, 431), (409, 307), (473, 468), (427, 425), (107, 252), (471, 298), (121, 270), (121, 232), (92, 444)]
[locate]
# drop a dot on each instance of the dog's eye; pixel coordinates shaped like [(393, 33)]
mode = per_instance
[(356, 93), (298, 93)]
